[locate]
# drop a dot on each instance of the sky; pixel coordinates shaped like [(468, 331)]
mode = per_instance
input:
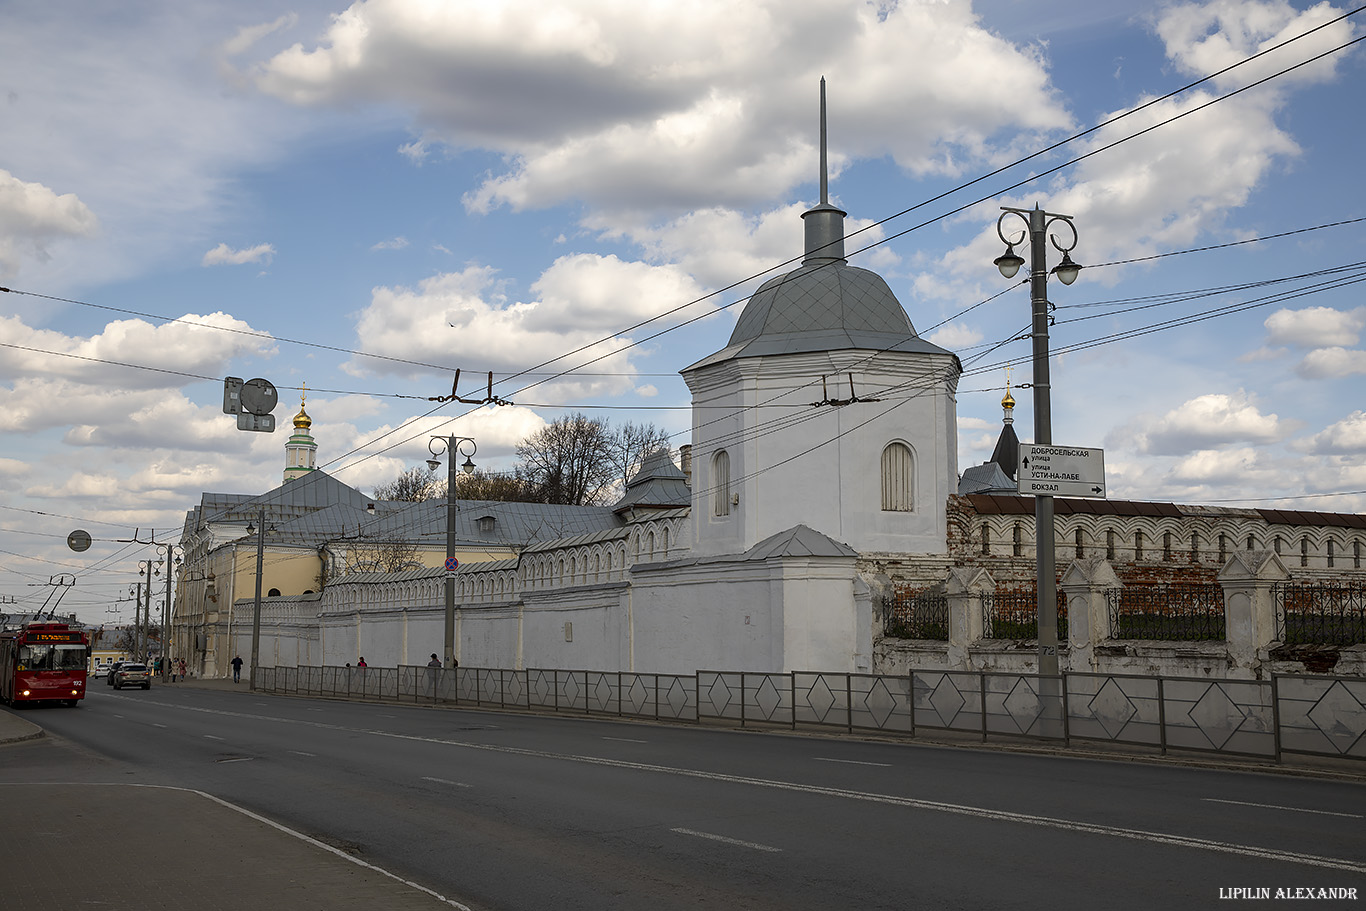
[(362, 199)]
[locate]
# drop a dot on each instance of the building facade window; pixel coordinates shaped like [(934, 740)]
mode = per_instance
[(1331, 554), (1077, 543), (1017, 540), (898, 478), (1356, 555), (720, 482), (986, 541), (1138, 545), (1223, 549), (1195, 548), (1110, 544), (1304, 551), (1166, 545), (1277, 544)]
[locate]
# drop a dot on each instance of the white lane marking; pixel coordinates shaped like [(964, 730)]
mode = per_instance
[(884, 765), (155, 725), (302, 753), (1272, 806), (729, 841), (238, 759), (211, 737), (625, 740), (1183, 841), (454, 784)]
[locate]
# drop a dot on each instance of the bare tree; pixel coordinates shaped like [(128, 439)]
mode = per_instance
[(631, 443), (570, 461), (382, 557), (414, 485), (506, 487)]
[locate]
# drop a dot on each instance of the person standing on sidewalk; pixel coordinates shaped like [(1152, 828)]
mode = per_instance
[(237, 669)]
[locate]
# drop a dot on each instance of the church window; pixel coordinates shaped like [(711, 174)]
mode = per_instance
[(1017, 540), (1138, 545), (1277, 544), (1077, 542), (1223, 548), (898, 478), (986, 541), (1195, 548), (1331, 548), (1304, 551), (1166, 545), (273, 593), (720, 470), (1251, 543), (1356, 555), (1110, 544)]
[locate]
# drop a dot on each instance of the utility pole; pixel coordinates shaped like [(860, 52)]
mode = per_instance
[(452, 446), (256, 612), (1038, 223)]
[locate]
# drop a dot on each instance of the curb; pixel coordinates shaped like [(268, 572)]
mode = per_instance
[(14, 729)]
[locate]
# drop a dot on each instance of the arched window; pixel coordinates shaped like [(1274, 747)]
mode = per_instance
[(1304, 551), (1138, 545), (1017, 540), (720, 482), (1110, 544), (986, 541), (1332, 548), (1079, 543), (898, 478), (1223, 549)]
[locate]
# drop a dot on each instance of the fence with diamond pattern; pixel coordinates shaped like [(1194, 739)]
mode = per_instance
[(1264, 718)]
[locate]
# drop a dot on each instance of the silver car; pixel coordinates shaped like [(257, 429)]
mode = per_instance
[(132, 675)]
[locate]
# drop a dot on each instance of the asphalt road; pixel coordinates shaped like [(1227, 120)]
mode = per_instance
[(510, 811)]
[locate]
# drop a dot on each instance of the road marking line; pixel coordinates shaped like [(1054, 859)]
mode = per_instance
[(1182, 841), (302, 753), (1272, 806), (155, 725), (884, 765), (211, 737), (238, 759), (729, 841), (454, 784), (625, 740)]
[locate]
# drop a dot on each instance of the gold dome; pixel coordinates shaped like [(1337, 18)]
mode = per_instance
[(1009, 400), (301, 420)]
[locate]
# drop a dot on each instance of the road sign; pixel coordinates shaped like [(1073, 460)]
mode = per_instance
[(452, 564), (259, 396), (265, 423), (1060, 471)]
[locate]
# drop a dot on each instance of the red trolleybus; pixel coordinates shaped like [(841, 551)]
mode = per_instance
[(43, 662)]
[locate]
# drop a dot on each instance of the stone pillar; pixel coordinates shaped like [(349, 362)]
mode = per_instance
[(964, 589), (1249, 609), (1085, 584)]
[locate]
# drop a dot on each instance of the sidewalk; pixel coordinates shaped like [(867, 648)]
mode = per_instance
[(178, 849)]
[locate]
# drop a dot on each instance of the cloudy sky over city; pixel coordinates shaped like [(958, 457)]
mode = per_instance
[(578, 195)]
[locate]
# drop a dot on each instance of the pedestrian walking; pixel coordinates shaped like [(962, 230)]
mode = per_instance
[(237, 669), (435, 662), (361, 662), (182, 670)]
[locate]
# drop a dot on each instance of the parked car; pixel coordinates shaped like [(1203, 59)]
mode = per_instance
[(99, 671), (132, 675), (113, 669)]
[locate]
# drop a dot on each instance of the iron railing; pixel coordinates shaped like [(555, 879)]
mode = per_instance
[(1175, 611), (1013, 613), (923, 615), (1320, 613), (1312, 715)]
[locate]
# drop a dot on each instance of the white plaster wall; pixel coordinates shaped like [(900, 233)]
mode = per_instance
[(488, 635), (821, 621)]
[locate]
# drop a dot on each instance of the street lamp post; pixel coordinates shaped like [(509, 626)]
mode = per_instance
[(170, 565), (452, 446), (1038, 222), (256, 610), (143, 613)]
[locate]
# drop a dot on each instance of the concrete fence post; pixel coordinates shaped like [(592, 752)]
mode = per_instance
[(1250, 608), (964, 588), (1086, 585)]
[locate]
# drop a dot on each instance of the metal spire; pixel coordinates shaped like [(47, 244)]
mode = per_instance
[(825, 172)]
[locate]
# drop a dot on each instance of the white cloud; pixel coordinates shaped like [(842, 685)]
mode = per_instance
[(33, 217), (1331, 363), (1206, 422), (674, 106), (398, 243), (1346, 437), (223, 255), (464, 319), (1315, 327), (955, 336), (195, 345)]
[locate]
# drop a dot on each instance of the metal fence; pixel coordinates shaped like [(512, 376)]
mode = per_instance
[(1175, 611), (1320, 613), (1013, 613), (923, 615), (1313, 715)]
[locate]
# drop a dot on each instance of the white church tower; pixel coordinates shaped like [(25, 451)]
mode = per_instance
[(301, 452), (826, 410)]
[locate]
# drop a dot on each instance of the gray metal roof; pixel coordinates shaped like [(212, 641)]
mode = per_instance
[(659, 484)]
